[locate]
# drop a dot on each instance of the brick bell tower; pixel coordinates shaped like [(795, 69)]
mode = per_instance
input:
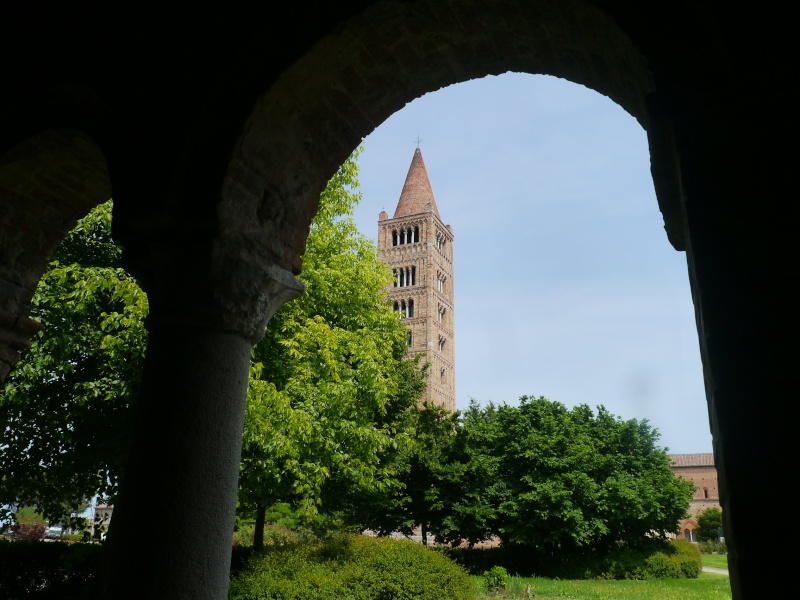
[(418, 248)]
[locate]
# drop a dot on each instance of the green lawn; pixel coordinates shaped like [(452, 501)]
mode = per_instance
[(718, 561), (706, 587)]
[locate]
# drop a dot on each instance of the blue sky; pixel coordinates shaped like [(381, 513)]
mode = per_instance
[(565, 283)]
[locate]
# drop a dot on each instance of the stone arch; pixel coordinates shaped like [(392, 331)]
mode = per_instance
[(48, 181), (352, 80), (247, 126)]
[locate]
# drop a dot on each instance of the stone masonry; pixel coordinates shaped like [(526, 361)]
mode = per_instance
[(418, 247)]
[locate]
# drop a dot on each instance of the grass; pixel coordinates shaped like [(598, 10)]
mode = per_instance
[(706, 587), (718, 561)]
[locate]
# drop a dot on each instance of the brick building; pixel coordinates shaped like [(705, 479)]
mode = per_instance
[(418, 247), (700, 470)]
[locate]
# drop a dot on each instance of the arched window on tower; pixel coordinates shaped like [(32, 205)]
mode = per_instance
[(442, 343), (394, 237), (411, 307), (396, 306), (413, 275), (403, 309), (442, 310), (409, 339), (705, 493), (394, 272), (416, 233)]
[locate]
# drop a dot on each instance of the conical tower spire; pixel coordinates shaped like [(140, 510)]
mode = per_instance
[(417, 193)]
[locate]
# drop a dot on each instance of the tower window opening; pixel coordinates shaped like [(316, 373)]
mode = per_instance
[(394, 272), (705, 493), (411, 308), (442, 342), (394, 237), (396, 306), (416, 234), (409, 339)]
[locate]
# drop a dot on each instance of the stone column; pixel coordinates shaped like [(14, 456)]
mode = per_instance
[(737, 182), (171, 532)]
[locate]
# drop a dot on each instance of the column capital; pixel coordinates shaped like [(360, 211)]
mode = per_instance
[(222, 284)]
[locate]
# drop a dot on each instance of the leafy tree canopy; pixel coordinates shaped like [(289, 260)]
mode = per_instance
[(329, 380), (709, 524), (549, 478), (64, 416)]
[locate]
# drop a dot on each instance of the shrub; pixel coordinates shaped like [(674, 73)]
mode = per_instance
[(677, 558), (274, 535), (45, 571), (496, 578), (713, 546), (29, 525), (351, 567)]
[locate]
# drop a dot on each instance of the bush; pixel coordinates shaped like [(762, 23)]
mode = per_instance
[(274, 535), (653, 559), (677, 559), (48, 570), (351, 567), (713, 547), (496, 578)]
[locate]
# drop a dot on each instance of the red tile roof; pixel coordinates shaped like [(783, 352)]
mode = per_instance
[(693, 460), (417, 192)]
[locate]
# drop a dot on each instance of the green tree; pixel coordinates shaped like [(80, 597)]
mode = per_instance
[(329, 380), (419, 466), (554, 479), (65, 408), (709, 524)]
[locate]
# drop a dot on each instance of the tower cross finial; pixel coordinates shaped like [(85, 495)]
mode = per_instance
[(418, 141)]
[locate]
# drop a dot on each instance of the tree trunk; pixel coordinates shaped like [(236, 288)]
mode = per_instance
[(424, 529), (258, 537)]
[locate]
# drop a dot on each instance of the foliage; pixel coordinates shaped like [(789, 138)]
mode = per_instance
[(65, 408), (273, 535), (713, 547), (330, 379), (674, 559), (418, 468), (29, 526), (706, 587), (557, 481), (654, 559), (49, 571), (709, 524), (352, 567), (496, 578)]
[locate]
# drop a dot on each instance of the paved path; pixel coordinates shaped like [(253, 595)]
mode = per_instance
[(717, 571)]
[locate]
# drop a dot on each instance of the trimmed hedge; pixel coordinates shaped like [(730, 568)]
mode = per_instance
[(351, 567), (48, 570), (653, 560)]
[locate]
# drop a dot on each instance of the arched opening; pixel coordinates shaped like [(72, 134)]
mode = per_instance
[(560, 251), (716, 141)]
